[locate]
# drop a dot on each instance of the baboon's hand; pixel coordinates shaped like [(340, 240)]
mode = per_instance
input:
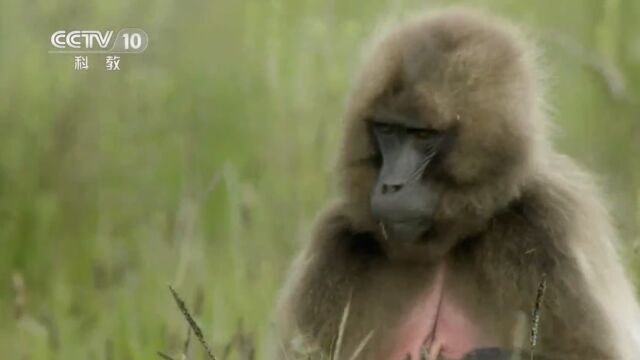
[(490, 354), (500, 354)]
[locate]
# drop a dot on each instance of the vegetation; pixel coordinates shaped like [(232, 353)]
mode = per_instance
[(202, 162)]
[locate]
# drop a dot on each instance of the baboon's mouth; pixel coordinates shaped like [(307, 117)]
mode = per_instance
[(406, 230)]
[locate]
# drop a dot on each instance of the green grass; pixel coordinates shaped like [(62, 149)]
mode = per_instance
[(203, 162)]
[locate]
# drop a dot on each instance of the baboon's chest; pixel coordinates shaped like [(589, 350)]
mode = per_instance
[(439, 325)]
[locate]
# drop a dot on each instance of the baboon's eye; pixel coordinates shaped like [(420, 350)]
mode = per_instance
[(384, 128), (421, 133)]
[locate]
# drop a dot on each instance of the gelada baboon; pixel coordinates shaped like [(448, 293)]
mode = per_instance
[(459, 232)]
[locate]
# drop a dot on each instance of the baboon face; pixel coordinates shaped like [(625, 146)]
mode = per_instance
[(405, 196)]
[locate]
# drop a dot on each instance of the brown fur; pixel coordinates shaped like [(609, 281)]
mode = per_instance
[(512, 209)]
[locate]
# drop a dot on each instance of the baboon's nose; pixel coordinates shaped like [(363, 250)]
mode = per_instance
[(391, 188)]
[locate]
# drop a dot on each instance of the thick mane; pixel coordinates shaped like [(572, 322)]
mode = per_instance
[(591, 242)]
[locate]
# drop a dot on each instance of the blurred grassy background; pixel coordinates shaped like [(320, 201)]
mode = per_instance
[(203, 161)]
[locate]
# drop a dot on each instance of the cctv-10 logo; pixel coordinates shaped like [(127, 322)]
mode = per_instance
[(129, 40)]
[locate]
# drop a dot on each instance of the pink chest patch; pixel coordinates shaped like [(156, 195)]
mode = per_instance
[(438, 325)]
